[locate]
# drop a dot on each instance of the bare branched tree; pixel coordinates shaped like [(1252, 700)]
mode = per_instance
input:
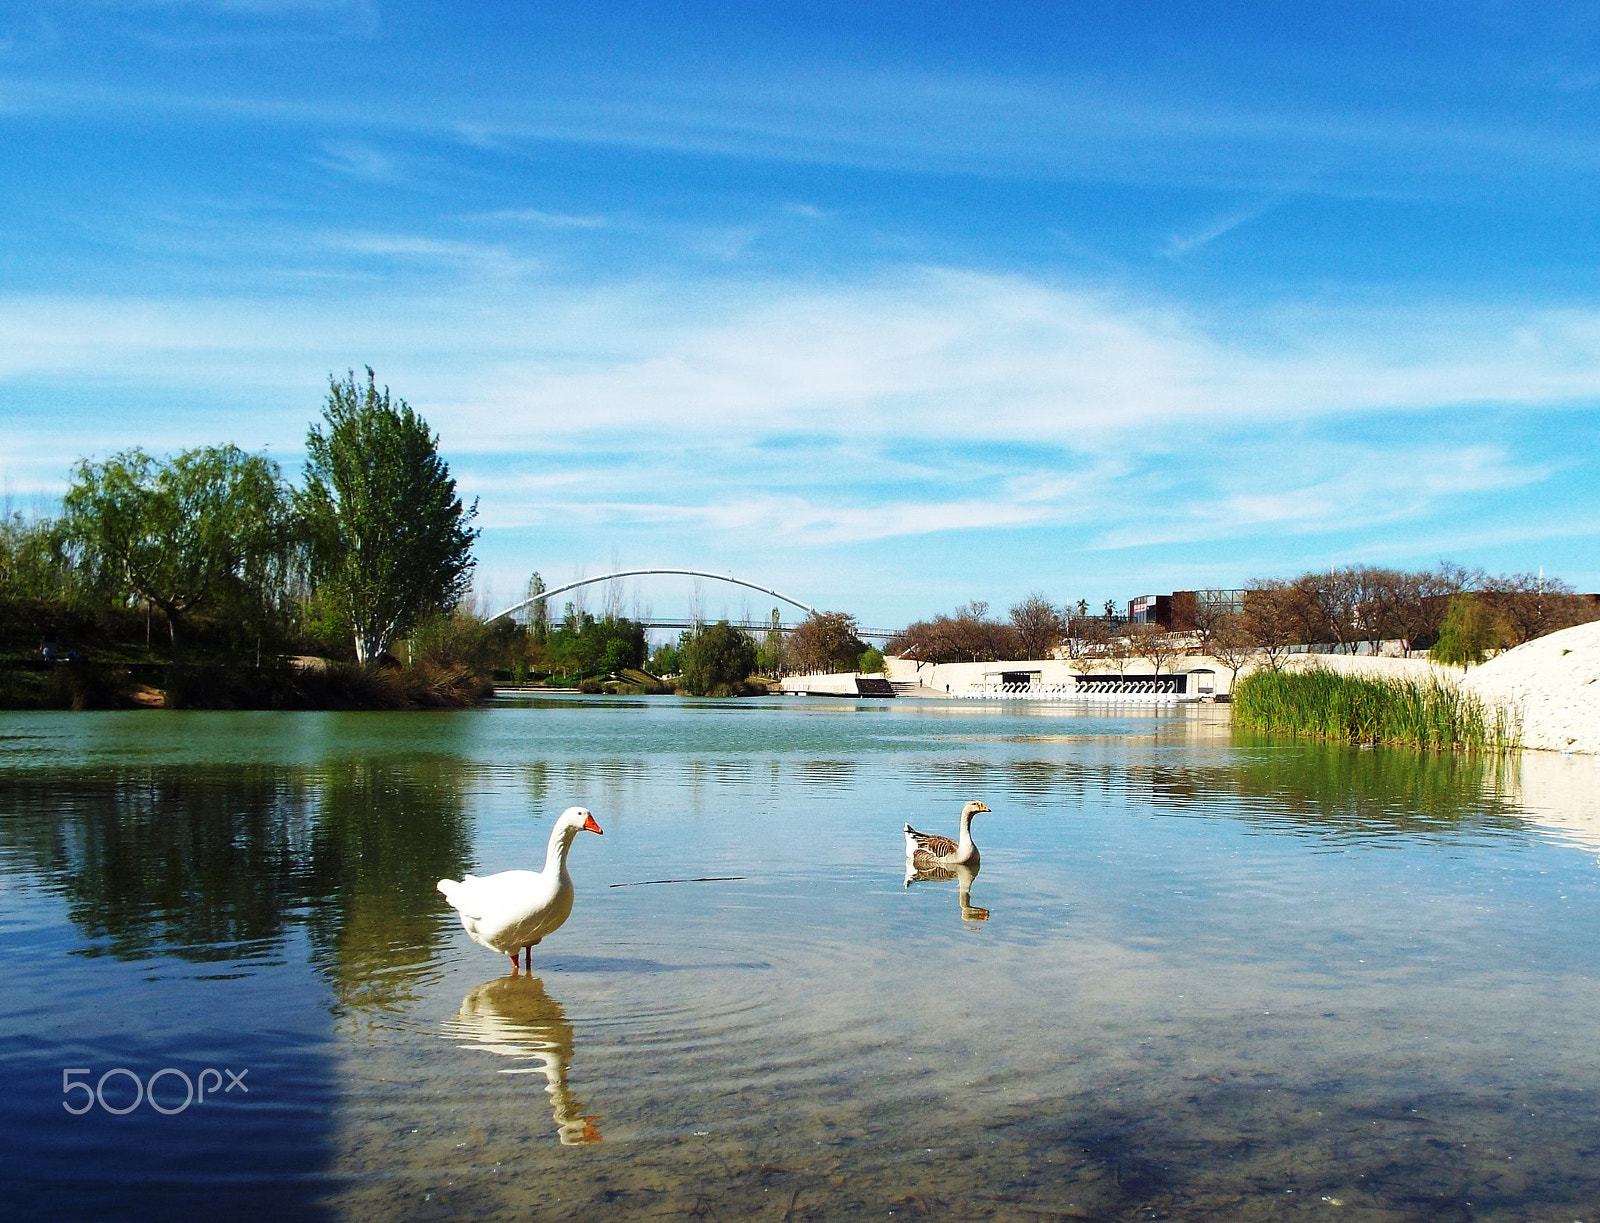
[(1152, 642), (1232, 646), (1274, 615), (964, 637), (1039, 626), (825, 642)]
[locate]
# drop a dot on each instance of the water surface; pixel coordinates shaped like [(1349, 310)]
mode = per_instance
[(1197, 972)]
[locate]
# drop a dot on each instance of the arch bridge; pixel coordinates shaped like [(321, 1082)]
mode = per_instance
[(545, 595)]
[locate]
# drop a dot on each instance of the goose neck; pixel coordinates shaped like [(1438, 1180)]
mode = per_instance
[(555, 857)]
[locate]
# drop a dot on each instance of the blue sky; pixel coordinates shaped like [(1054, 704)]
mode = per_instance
[(889, 309)]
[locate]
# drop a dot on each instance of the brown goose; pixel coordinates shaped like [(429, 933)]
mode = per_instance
[(926, 850)]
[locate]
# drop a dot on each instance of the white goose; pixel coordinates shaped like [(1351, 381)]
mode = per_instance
[(511, 911), (926, 850)]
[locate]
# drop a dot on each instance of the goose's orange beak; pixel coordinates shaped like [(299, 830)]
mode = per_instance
[(981, 807), (590, 826)]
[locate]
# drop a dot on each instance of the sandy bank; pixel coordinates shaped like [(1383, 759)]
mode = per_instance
[(1553, 686)]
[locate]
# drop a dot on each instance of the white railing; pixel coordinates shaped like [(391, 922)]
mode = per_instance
[(1131, 691)]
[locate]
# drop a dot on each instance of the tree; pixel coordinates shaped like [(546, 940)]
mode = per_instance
[(1467, 633), (1232, 646), (1529, 605), (1209, 613), (1151, 642), (1333, 603), (966, 636), (1423, 615), (618, 654), (33, 564), (539, 609), (582, 645), (717, 659), (1039, 626), (773, 653), (184, 534), (666, 660), (1118, 649), (871, 661), (1273, 611), (1087, 645), (825, 642), (389, 534)]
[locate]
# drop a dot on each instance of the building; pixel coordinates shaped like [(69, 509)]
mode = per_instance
[(1183, 611)]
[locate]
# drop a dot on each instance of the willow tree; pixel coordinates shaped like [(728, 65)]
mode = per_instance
[(390, 539), (183, 534)]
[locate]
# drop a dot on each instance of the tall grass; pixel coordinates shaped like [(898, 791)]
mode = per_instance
[(1364, 709)]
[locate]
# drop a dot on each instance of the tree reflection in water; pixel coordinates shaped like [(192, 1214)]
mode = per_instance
[(218, 864), (514, 1017), (1334, 791), (385, 833)]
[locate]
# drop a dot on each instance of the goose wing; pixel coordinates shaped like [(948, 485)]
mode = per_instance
[(463, 896), (930, 843)]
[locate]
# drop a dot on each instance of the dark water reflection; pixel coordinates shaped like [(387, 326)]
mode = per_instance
[(1212, 976), (217, 864)]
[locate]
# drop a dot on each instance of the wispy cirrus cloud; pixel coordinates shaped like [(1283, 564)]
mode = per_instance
[(1178, 245), (545, 220), (357, 160)]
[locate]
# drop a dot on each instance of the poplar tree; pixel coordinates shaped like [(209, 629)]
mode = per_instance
[(391, 540)]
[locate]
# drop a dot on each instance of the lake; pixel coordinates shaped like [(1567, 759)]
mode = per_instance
[(1198, 973)]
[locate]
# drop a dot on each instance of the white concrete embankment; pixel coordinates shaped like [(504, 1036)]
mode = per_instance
[(838, 683), (1204, 673), (1552, 685)]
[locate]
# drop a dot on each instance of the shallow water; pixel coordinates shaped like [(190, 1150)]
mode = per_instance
[(1198, 973)]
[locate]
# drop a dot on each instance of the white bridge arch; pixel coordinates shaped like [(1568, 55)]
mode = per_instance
[(634, 573)]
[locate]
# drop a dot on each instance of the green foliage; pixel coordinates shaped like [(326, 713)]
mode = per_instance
[(871, 661), (1328, 705), (1467, 634), (582, 645), (618, 656), (33, 564), (667, 659), (205, 528), (389, 535), (717, 660)]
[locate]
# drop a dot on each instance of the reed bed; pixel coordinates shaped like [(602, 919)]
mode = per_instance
[(1364, 709)]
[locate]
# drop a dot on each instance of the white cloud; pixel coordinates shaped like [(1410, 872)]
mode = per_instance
[(546, 220), (356, 160), (927, 401), (1179, 245)]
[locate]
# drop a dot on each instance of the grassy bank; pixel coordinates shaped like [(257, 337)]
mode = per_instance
[(1362, 709)]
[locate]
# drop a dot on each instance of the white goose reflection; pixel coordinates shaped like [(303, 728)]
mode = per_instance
[(514, 1017), (962, 874)]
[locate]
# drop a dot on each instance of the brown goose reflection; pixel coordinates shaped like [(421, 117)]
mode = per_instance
[(514, 1017), (962, 874)]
